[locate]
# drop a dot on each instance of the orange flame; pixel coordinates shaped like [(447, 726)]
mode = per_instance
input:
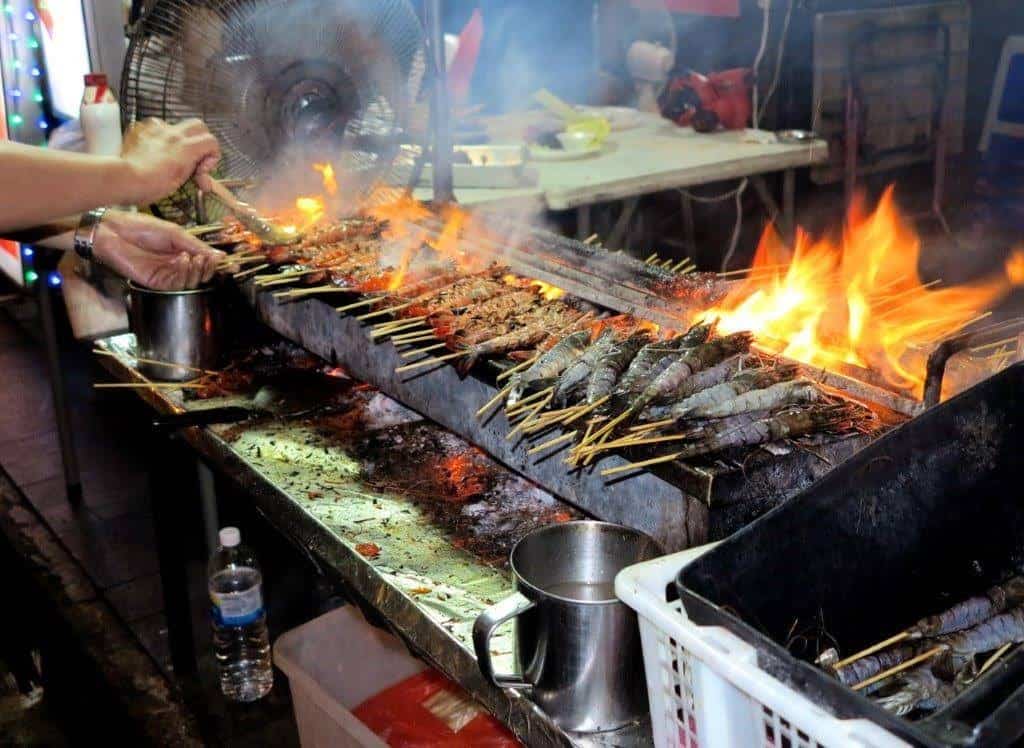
[(327, 173), (549, 292), (312, 210), (859, 301)]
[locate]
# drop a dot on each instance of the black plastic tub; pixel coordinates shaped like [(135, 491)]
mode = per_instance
[(928, 515)]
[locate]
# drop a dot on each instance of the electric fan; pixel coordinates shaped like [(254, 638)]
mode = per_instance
[(285, 84), (638, 43)]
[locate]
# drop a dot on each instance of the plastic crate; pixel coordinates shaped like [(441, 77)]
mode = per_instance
[(704, 684), (333, 664)]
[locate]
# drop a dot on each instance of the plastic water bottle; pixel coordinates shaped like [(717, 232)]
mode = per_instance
[(240, 640)]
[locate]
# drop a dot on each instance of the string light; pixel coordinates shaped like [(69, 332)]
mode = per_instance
[(53, 279), (31, 276), (27, 252)]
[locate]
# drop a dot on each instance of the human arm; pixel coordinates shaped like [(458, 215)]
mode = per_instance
[(39, 185), (153, 253)]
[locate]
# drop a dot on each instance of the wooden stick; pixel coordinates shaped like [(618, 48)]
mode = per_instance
[(429, 362), (590, 239), (204, 228), (413, 331), (933, 652), (410, 338), (389, 310), (137, 359), (992, 660), (250, 271), (612, 424), (638, 465), (587, 409), (421, 351), (553, 442), (311, 290), (494, 400), (154, 385), (516, 369), (651, 258), (526, 421), (872, 649), (653, 425), (679, 265), (759, 268), (524, 403), (356, 305), (398, 322), (397, 327), (667, 263), (634, 442)]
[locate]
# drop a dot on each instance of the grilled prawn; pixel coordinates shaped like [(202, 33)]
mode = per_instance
[(603, 377), (576, 375), (551, 364)]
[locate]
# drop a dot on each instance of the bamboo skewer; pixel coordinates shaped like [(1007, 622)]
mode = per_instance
[(653, 425), (154, 385), (421, 351), (587, 409), (382, 312), (533, 413), (992, 660), (872, 649), (356, 305), (525, 403), (250, 271), (494, 400), (137, 359), (415, 337), (653, 256), (312, 290), (553, 442), (931, 653), (757, 269), (516, 369), (429, 362), (590, 239), (645, 463), (633, 442)]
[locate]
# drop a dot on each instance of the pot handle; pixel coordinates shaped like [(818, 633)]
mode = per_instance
[(484, 627)]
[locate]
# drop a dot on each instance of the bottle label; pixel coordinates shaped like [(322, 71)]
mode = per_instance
[(237, 608)]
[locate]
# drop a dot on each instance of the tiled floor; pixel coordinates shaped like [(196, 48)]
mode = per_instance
[(111, 533)]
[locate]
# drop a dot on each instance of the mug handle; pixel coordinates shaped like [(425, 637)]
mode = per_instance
[(484, 627)]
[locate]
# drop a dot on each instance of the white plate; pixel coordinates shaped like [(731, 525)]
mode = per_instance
[(543, 153), (619, 117)]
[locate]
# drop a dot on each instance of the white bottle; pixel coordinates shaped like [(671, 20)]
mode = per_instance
[(100, 116), (240, 642)]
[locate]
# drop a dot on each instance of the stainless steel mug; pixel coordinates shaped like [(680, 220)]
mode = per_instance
[(181, 328), (577, 646)]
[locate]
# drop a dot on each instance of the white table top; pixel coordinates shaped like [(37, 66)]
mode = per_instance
[(650, 158)]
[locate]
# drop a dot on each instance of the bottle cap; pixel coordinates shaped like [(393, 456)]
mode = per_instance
[(96, 79), (230, 537)]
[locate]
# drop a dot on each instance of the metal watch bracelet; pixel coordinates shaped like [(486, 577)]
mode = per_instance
[(85, 234)]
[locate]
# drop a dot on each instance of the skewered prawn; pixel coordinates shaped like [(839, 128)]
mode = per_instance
[(689, 362), (784, 425), (551, 364), (524, 337), (918, 689), (794, 392), (709, 403), (712, 376), (1004, 628), (971, 611), (576, 375), (611, 365)]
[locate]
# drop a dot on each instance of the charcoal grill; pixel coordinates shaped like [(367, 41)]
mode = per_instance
[(680, 504)]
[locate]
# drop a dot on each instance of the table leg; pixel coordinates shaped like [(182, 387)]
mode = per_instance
[(689, 226), (583, 223), (789, 203), (622, 225), (171, 530), (208, 499), (69, 457)]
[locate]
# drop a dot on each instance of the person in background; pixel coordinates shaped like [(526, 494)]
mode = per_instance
[(46, 197)]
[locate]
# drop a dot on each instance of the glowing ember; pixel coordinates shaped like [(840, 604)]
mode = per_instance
[(330, 183), (857, 302), (548, 291)]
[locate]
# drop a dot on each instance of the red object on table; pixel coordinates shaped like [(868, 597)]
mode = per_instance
[(720, 8), (707, 102), (460, 74), (428, 710)]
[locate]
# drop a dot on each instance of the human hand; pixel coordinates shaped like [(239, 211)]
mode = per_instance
[(161, 157), (154, 253)]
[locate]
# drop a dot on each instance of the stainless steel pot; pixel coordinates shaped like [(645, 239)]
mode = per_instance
[(577, 646), (181, 328)]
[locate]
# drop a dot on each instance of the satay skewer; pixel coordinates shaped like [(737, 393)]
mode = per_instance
[(356, 305), (502, 394), (515, 369), (930, 654), (421, 351), (250, 271), (895, 639), (552, 443)]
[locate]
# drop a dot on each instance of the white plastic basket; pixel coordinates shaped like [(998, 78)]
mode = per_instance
[(705, 687), (333, 664)]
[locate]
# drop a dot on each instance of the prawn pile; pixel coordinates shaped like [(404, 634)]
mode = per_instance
[(927, 665)]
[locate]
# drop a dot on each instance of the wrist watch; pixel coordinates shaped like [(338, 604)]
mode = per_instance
[(85, 234)]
